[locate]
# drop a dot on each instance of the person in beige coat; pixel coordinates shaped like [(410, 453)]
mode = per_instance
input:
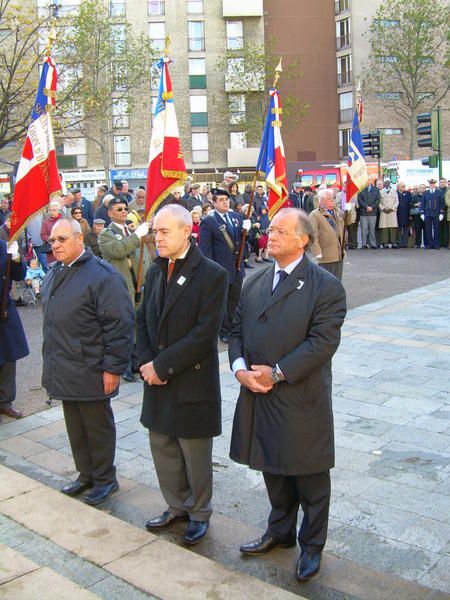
[(388, 215), (328, 223)]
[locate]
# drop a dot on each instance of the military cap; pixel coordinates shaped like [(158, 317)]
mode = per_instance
[(219, 192), (99, 221)]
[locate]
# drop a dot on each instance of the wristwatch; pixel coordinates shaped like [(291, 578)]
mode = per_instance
[(277, 374)]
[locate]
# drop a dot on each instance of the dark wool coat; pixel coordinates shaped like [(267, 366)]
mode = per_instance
[(177, 329), (88, 328), (288, 431), (13, 343)]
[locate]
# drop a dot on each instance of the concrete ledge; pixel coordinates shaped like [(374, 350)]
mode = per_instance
[(155, 566)]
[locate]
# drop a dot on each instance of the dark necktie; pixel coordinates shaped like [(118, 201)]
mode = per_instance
[(282, 276), (127, 233), (229, 225)]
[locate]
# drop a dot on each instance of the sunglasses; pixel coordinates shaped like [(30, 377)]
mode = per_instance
[(120, 209)]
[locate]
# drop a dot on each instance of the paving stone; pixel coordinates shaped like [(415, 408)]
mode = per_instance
[(56, 587), (55, 461), (21, 446), (357, 441), (439, 575), (369, 427), (21, 426), (428, 534), (421, 406), (53, 414), (57, 442), (434, 422), (412, 435), (134, 441), (12, 484), (13, 564), (112, 588), (39, 434)]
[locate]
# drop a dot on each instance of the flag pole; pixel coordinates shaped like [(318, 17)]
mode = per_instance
[(7, 277), (141, 255), (278, 71)]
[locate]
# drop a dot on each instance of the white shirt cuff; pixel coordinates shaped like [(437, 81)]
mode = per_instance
[(238, 365)]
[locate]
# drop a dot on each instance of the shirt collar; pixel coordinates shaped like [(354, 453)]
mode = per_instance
[(74, 261), (182, 255), (120, 226), (290, 267)]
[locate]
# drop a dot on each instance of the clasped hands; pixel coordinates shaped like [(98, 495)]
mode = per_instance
[(257, 380), (149, 375)]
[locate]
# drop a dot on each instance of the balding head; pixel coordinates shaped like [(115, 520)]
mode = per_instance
[(66, 240), (290, 235)]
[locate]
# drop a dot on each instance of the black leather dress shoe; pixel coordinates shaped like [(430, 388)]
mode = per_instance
[(265, 544), (164, 520), (76, 488), (308, 565), (100, 494), (195, 531), (10, 411)]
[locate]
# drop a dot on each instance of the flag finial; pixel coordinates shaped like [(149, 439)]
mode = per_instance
[(278, 71), (166, 47), (51, 38)]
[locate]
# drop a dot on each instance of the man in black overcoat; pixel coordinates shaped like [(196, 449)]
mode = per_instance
[(88, 340), (178, 324), (286, 330)]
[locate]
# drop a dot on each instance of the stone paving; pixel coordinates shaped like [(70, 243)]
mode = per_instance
[(389, 534)]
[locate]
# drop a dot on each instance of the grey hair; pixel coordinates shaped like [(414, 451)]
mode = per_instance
[(323, 192), (303, 225), (74, 225), (55, 203), (182, 215)]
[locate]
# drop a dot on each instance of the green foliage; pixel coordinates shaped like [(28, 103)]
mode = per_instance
[(251, 72), (19, 35), (409, 42)]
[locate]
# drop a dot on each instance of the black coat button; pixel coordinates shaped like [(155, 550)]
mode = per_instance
[(197, 366)]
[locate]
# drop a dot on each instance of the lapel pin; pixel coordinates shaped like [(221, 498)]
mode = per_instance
[(181, 280), (300, 284)]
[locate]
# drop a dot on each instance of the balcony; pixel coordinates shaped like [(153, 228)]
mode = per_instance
[(240, 8), (242, 157), (343, 41), (344, 78)]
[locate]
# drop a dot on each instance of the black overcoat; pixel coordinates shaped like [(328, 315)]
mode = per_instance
[(288, 431), (88, 329), (177, 329)]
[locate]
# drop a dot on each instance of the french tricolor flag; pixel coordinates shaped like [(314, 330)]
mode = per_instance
[(166, 168), (272, 161), (357, 176), (37, 176)]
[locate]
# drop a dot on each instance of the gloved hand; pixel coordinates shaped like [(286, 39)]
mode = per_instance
[(246, 224), (142, 229), (348, 206), (422, 217), (13, 249), (441, 217), (318, 256)]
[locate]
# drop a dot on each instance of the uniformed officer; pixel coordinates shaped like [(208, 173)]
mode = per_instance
[(431, 212)]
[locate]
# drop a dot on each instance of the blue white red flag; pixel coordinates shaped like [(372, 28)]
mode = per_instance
[(37, 176), (272, 161), (166, 168), (357, 176)]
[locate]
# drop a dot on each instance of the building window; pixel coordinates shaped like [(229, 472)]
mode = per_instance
[(344, 70), (157, 35), (117, 8), (345, 107), (235, 35), (235, 67), (199, 111), (122, 150), (342, 34), (238, 140), (344, 140), (73, 153), (197, 73), (386, 59), (200, 148), (341, 6), (120, 113), (194, 7), (389, 95), (156, 7), (196, 35), (119, 74), (389, 131), (118, 35), (236, 104), (388, 22)]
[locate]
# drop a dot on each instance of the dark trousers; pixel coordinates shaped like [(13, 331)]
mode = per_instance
[(184, 470), (92, 435), (418, 230), (234, 293), (335, 268), (403, 232), (7, 382), (432, 232), (286, 494), (352, 235)]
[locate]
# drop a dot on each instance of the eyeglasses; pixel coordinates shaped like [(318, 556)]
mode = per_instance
[(280, 232), (120, 209), (59, 238), (76, 212)]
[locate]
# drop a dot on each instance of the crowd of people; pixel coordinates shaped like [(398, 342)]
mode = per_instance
[(123, 296)]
